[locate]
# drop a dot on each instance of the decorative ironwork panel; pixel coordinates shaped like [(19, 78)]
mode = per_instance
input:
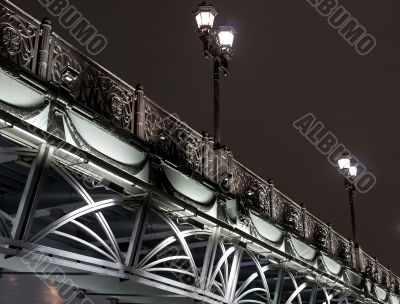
[(293, 218), (279, 208), (368, 266), (174, 139), (340, 248), (95, 88), (241, 179), (18, 38), (311, 226), (383, 276)]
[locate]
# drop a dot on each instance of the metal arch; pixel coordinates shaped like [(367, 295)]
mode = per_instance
[(343, 296), (87, 244), (261, 273), (246, 283), (211, 280), (209, 258), (89, 201), (238, 300), (171, 270), (328, 300), (182, 240), (221, 261), (296, 293), (95, 236), (159, 261), (295, 284), (221, 287), (168, 241), (234, 274), (250, 279), (72, 216)]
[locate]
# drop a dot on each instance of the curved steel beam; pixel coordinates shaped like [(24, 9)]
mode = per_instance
[(163, 260), (89, 201), (182, 242), (250, 279), (87, 244), (296, 293), (221, 261), (95, 236), (72, 216)]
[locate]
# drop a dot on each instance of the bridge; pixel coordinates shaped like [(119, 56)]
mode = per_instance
[(103, 189)]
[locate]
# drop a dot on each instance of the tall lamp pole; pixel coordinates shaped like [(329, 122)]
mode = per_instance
[(217, 45), (350, 172)]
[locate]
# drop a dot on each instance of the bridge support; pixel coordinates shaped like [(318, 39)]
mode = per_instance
[(31, 193), (234, 274), (279, 286), (313, 296), (139, 228), (209, 258)]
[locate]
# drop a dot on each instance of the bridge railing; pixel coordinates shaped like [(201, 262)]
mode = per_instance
[(96, 89), (20, 35), (33, 46)]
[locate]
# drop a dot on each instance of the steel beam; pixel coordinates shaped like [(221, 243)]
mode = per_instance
[(234, 274), (296, 293), (139, 229), (4, 227), (313, 296), (209, 258), (279, 285), (31, 193)]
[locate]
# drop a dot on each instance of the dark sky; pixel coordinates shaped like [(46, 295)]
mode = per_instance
[(288, 62)]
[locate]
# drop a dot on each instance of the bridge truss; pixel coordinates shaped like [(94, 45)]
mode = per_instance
[(129, 201)]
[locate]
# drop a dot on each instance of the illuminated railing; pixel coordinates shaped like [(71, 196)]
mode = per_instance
[(33, 47)]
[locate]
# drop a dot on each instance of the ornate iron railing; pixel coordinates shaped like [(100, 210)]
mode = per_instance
[(35, 48)]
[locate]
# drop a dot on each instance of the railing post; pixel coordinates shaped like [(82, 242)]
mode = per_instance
[(358, 259), (353, 254), (44, 48), (271, 198), (205, 155), (391, 280), (330, 238), (304, 217), (140, 108), (376, 272), (223, 166)]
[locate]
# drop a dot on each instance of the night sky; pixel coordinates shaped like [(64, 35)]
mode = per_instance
[(288, 62)]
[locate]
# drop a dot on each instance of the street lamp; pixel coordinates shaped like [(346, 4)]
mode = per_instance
[(218, 46), (349, 172), (205, 16)]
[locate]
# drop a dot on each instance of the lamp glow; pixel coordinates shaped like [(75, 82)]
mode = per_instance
[(226, 36), (205, 16), (344, 163), (353, 171)]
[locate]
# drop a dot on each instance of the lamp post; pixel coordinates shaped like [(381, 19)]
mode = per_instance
[(217, 45), (349, 172)]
